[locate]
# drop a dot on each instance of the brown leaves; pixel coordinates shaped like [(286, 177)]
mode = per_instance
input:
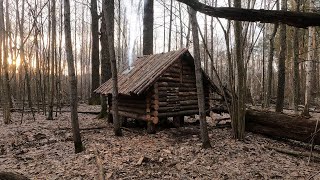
[(42, 150)]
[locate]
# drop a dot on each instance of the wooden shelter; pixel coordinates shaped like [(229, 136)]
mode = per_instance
[(159, 86)]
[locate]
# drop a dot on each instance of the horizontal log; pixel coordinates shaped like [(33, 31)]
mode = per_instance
[(281, 125), (175, 84), (169, 89), (187, 102), (170, 79), (134, 110), (179, 113), (132, 101), (134, 97), (166, 109), (178, 108), (187, 89), (135, 105), (297, 19), (133, 115)]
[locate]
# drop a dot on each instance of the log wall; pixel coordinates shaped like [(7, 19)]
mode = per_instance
[(177, 92), (132, 106), (173, 94)]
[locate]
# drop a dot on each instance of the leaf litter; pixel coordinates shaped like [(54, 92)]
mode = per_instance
[(43, 149)]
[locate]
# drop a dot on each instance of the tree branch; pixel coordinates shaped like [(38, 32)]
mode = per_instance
[(297, 19)]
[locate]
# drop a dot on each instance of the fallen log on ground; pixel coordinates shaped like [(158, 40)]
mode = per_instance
[(295, 153), (282, 126), (12, 176)]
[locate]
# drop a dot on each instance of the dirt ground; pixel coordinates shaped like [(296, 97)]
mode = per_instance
[(43, 149)]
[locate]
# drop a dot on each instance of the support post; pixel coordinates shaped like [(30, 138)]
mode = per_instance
[(178, 121)]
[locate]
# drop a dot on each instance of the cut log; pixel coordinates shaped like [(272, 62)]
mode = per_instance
[(282, 126)]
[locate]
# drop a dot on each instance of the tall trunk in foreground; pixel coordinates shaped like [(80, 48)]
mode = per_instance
[(72, 80), (199, 80), (53, 56), (23, 57), (95, 98), (109, 17), (296, 75), (105, 60), (148, 27), (6, 86), (282, 63), (309, 66), (270, 62), (148, 42), (238, 121)]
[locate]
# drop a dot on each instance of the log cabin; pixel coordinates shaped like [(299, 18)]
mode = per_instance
[(159, 86)]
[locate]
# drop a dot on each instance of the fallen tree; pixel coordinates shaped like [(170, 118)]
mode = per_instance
[(282, 126), (291, 18)]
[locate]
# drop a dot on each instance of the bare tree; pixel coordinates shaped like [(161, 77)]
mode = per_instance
[(282, 63), (296, 73), (199, 80), (5, 84), (270, 62), (72, 80), (53, 57), (148, 27), (148, 41), (309, 65), (95, 79), (105, 60), (109, 17), (238, 124)]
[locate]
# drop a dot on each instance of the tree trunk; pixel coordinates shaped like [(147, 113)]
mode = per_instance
[(282, 63), (5, 84), (282, 126), (270, 64), (148, 27), (109, 17), (238, 121), (296, 19), (296, 75), (105, 61), (199, 80), (148, 41), (95, 79), (309, 66), (170, 26), (72, 80), (53, 56)]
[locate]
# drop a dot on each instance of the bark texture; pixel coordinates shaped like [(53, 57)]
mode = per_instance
[(109, 16), (282, 63), (238, 121), (199, 81), (296, 19), (282, 126), (72, 80), (105, 60), (148, 27), (95, 79)]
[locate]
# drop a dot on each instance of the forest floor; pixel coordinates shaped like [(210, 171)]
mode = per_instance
[(43, 149)]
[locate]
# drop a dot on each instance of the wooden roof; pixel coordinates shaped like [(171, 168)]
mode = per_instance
[(144, 73)]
